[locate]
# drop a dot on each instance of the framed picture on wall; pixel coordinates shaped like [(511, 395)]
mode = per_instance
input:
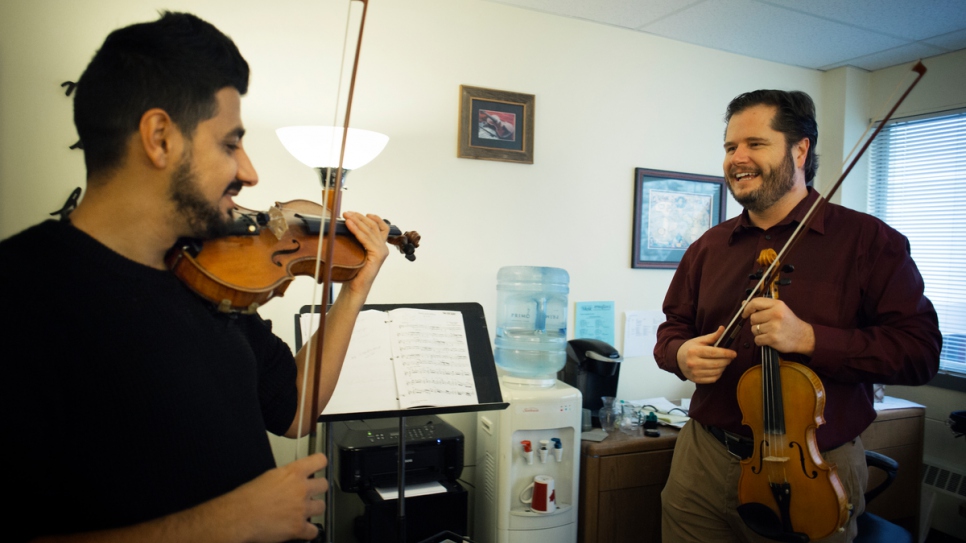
[(671, 211), (495, 125)]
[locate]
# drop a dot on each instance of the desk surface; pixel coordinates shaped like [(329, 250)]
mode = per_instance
[(621, 443)]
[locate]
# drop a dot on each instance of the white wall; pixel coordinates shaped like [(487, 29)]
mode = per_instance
[(841, 124), (943, 87)]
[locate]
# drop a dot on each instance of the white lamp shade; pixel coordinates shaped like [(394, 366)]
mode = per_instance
[(319, 146)]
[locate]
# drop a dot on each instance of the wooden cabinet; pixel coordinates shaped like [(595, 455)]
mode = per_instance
[(621, 479)]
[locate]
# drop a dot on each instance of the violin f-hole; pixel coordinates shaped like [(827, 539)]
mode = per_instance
[(801, 459), (282, 252)]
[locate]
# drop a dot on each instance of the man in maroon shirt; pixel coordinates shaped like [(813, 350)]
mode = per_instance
[(854, 313)]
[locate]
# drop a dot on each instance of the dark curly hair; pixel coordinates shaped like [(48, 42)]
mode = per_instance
[(176, 63)]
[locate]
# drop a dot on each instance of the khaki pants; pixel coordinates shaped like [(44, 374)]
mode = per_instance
[(700, 500)]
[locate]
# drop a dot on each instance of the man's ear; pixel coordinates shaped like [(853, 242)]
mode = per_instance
[(160, 138), (800, 152)]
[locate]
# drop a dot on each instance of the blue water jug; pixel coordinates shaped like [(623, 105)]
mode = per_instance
[(531, 322)]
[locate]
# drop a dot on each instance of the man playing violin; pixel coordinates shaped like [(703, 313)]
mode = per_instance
[(854, 313), (141, 411)]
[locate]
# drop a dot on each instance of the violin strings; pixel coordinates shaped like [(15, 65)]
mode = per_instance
[(768, 396), (765, 391), (313, 318)]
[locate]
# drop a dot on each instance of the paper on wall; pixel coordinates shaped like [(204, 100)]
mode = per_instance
[(640, 332)]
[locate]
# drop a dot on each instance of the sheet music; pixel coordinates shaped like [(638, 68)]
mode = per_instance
[(431, 368), (431, 358), (367, 381)]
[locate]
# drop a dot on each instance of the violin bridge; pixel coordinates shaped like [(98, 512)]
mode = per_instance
[(276, 222), (775, 459)]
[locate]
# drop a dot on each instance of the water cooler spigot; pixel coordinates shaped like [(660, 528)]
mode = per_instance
[(527, 451), (544, 450), (557, 448)]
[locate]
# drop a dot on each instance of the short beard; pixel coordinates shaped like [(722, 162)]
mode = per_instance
[(773, 187), (204, 219)]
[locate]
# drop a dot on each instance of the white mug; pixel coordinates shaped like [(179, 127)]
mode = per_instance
[(543, 497)]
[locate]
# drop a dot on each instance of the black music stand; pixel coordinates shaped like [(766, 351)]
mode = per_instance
[(487, 392)]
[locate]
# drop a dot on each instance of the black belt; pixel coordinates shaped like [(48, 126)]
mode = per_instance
[(740, 446)]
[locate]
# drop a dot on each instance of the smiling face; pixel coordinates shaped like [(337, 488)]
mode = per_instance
[(213, 168), (759, 166)]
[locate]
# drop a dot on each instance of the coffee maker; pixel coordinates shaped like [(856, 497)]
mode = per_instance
[(593, 368)]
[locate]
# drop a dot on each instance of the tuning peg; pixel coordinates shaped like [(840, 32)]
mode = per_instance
[(784, 282), (788, 268)]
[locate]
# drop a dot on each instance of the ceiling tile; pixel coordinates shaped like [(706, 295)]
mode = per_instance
[(910, 19), (819, 34), (954, 41), (767, 32), (625, 13), (891, 57)]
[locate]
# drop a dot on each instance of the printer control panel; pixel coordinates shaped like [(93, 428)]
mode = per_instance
[(420, 433)]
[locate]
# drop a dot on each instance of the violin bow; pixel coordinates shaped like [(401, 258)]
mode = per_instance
[(324, 265), (736, 321), (314, 356)]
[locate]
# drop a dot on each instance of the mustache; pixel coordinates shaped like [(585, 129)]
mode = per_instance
[(234, 186)]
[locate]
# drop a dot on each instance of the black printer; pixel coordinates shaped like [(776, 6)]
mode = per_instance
[(366, 464), (369, 452)]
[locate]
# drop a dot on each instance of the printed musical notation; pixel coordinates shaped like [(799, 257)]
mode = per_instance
[(404, 358), (431, 358)]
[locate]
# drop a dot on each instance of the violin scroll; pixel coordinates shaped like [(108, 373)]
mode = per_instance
[(765, 260), (407, 243)]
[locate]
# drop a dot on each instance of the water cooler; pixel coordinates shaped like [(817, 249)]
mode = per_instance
[(539, 433)]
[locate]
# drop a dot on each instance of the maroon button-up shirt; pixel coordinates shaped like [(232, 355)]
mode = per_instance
[(854, 282)]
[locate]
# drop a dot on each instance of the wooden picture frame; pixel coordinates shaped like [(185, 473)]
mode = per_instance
[(495, 125), (671, 211)]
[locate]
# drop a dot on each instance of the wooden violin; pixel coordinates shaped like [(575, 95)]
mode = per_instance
[(265, 251), (786, 490)]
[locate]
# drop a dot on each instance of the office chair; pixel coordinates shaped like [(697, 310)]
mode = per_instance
[(873, 528)]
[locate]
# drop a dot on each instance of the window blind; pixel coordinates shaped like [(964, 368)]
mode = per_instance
[(917, 184)]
